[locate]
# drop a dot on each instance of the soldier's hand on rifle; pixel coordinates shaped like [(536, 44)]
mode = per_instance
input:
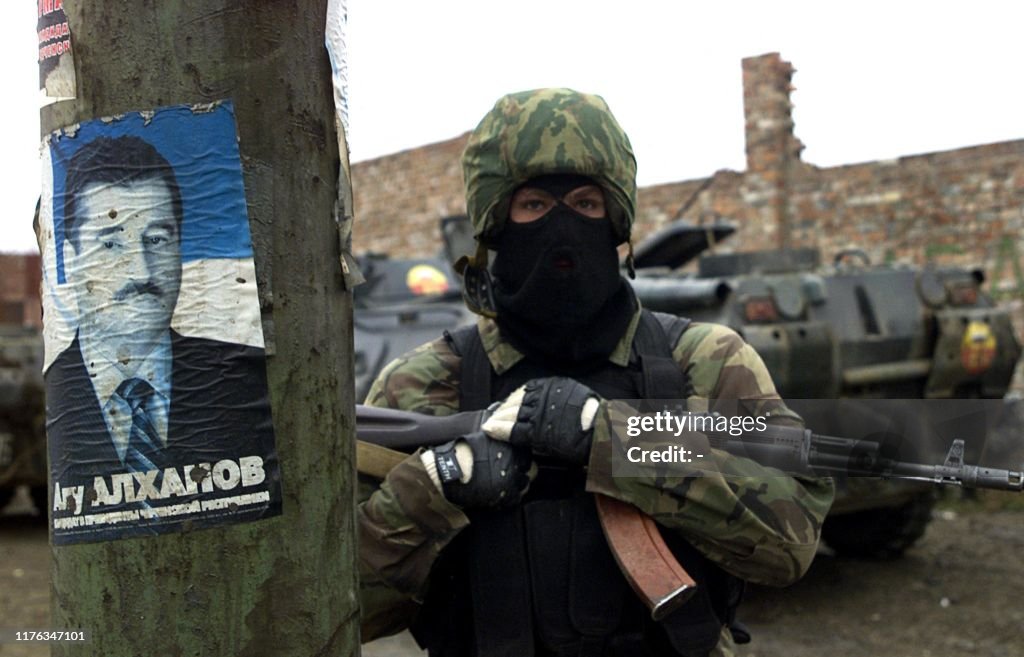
[(476, 471), (554, 417)]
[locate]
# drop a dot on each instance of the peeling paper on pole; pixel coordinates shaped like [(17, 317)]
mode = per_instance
[(337, 24), (334, 40), (158, 414), (56, 66)]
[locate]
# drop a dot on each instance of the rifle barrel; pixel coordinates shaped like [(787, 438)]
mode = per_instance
[(800, 451), (968, 476)]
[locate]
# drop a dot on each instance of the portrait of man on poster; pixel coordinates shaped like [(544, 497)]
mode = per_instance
[(131, 394)]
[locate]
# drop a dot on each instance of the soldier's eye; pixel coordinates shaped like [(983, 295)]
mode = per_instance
[(529, 205), (590, 207)]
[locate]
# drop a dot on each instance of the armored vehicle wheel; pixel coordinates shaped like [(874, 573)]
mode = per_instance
[(883, 533)]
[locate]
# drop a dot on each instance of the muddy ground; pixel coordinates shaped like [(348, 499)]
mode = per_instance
[(958, 592)]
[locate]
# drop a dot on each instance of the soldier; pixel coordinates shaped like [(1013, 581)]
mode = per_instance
[(487, 547)]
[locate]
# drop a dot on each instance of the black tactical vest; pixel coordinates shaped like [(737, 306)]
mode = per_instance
[(539, 579)]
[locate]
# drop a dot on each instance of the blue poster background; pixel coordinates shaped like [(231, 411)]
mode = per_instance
[(202, 147)]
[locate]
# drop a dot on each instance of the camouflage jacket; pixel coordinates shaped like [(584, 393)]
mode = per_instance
[(757, 524)]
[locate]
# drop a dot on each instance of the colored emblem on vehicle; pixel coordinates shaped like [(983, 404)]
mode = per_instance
[(425, 279), (978, 348)]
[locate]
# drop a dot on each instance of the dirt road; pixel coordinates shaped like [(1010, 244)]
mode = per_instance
[(958, 592), (24, 575)]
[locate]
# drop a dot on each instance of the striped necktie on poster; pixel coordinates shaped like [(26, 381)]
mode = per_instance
[(144, 452)]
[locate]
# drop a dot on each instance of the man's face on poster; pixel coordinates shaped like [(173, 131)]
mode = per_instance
[(125, 261)]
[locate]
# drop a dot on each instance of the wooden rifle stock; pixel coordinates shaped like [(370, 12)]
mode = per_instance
[(634, 538)]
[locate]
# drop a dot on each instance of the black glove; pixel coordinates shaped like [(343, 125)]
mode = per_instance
[(501, 472), (549, 420)]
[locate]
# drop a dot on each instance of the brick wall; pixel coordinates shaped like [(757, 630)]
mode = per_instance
[(400, 198), (962, 206), (19, 290)]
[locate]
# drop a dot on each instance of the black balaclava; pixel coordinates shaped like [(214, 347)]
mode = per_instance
[(558, 290)]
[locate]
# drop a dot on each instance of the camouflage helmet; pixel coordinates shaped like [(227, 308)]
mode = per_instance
[(546, 131)]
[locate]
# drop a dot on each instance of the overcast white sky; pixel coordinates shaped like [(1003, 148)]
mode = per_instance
[(874, 79)]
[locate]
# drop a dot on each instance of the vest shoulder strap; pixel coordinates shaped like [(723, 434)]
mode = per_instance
[(656, 336), (658, 333), (475, 375)]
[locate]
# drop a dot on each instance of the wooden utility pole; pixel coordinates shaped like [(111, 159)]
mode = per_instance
[(284, 585)]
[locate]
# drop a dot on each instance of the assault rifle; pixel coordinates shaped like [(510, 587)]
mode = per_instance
[(386, 436), (802, 451)]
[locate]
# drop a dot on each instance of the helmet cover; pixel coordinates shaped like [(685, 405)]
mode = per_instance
[(546, 131)]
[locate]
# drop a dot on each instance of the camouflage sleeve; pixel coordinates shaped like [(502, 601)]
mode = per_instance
[(404, 522), (755, 522), (425, 380)]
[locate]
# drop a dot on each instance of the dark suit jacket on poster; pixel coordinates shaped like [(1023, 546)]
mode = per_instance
[(219, 409)]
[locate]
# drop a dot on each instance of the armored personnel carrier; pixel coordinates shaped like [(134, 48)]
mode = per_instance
[(403, 304), (850, 329), (845, 330), (841, 330), (22, 414)]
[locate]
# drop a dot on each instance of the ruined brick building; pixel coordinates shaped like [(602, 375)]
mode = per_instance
[(19, 290), (963, 206)]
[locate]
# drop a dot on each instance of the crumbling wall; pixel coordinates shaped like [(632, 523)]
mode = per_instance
[(962, 206)]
